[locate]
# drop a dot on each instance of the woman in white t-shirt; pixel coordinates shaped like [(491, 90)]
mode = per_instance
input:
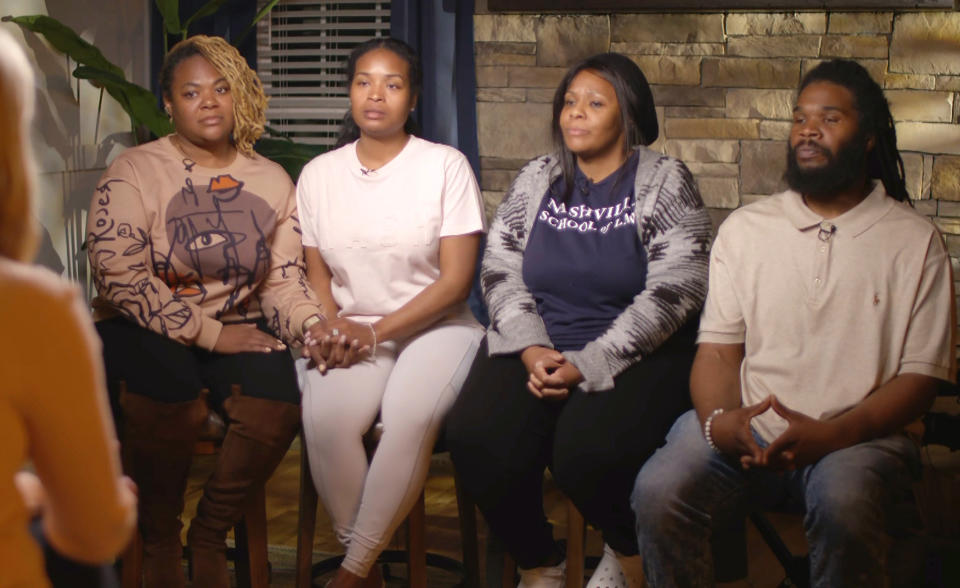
[(391, 229)]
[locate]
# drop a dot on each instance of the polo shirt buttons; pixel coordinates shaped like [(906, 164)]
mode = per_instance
[(817, 281)]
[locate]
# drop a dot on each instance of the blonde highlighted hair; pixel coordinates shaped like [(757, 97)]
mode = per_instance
[(17, 225), (249, 99)]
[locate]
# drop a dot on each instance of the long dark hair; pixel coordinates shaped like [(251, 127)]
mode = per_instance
[(349, 131), (638, 117), (883, 161)]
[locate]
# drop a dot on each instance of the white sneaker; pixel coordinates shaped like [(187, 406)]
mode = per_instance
[(544, 577), (617, 571)]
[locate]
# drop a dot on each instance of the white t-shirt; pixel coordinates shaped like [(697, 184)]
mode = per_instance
[(829, 311), (379, 232)]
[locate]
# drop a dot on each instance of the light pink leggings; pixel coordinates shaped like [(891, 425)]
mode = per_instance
[(412, 385)]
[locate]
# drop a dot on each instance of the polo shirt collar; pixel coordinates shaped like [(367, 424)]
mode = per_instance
[(853, 222)]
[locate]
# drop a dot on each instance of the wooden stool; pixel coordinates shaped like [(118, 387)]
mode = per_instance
[(416, 555), (250, 533)]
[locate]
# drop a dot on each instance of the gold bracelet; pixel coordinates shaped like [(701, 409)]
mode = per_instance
[(310, 321)]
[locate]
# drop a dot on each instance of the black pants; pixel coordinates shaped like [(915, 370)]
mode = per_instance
[(501, 439), (167, 371), (66, 573)]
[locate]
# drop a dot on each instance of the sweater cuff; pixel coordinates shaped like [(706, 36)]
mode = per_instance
[(524, 330), (593, 366), (209, 333)]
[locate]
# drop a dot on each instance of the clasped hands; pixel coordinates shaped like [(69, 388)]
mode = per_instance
[(804, 441), (338, 343), (551, 375)]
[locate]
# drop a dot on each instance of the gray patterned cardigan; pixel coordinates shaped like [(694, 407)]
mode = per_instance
[(675, 231)]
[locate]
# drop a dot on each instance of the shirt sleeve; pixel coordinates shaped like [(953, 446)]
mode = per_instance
[(306, 206), (722, 320), (929, 344), (679, 231), (119, 248), (462, 203), (286, 297), (72, 444)]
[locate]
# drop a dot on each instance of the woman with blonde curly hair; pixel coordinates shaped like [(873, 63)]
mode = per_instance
[(194, 245), (58, 419)]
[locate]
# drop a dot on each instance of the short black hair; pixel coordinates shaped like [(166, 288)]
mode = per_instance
[(638, 117), (883, 161)]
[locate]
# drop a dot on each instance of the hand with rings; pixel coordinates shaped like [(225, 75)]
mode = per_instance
[(345, 343)]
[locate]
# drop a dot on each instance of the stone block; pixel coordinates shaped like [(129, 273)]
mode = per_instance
[(948, 83), (913, 173), (854, 46), (502, 163), (948, 226), (926, 43), (953, 247), (719, 192), (920, 105), (929, 138), (774, 46), (877, 68), (715, 170), (717, 216), (669, 70), (703, 150), (535, 77), (694, 112), (746, 199), (497, 180), (505, 53), (565, 40), (664, 95), (859, 23), (742, 72), (910, 82), (675, 27), (776, 23), (762, 164), (491, 200), (541, 94), (947, 208), (775, 129), (513, 28), (769, 103), (651, 48), (925, 207), (946, 179), (491, 77), (501, 95), (712, 128), (513, 130), (926, 187)]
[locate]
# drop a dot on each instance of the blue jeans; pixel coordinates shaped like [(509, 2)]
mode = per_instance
[(686, 490)]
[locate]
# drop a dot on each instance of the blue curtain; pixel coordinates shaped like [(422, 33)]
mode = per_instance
[(441, 31)]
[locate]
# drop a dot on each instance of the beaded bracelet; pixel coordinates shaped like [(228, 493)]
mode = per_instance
[(707, 424)]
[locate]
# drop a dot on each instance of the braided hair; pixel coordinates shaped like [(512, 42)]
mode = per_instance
[(249, 99), (883, 161)]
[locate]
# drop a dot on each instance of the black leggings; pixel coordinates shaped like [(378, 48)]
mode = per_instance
[(501, 438), (167, 371)]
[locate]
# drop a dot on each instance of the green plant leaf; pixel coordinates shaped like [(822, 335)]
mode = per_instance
[(292, 156), (206, 10), (66, 40), (137, 101), (170, 11), (263, 12)]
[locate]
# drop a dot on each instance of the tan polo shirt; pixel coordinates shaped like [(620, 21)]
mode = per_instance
[(829, 310)]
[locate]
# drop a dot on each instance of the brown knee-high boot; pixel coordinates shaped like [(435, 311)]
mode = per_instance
[(259, 435), (156, 448)]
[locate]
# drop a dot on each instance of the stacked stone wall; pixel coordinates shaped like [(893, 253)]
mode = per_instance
[(724, 85)]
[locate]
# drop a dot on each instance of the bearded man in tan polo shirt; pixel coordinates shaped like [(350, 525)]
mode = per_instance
[(827, 327)]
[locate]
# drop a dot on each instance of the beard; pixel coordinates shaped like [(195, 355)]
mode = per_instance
[(843, 169)]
